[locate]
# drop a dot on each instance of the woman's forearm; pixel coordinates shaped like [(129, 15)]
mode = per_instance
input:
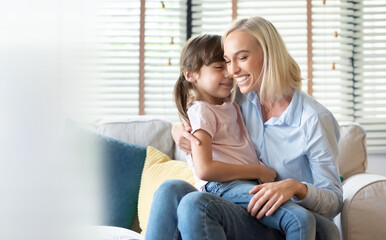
[(300, 189)]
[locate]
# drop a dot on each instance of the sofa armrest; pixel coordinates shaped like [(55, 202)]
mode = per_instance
[(363, 215)]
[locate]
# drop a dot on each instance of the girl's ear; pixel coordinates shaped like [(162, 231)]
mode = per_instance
[(189, 77)]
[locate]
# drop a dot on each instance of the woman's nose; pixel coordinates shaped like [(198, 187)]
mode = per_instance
[(233, 68), (227, 74)]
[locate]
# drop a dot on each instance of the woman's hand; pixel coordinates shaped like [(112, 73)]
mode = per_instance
[(182, 136), (270, 196), (268, 175)]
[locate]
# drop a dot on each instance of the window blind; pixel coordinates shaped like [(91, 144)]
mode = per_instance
[(290, 19), (349, 54), (211, 16), (165, 35), (114, 87), (370, 72), (333, 27)]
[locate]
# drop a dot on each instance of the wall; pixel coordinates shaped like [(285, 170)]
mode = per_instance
[(377, 163)]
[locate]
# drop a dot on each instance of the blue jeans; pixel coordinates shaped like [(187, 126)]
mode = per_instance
[(293, 220), (179, 211)]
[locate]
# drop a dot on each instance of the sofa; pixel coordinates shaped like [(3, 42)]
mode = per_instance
[(363, 215)]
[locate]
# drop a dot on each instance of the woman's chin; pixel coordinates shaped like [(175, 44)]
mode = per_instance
[(244, 89)]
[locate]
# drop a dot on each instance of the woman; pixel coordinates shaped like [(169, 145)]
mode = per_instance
[(291, 133)]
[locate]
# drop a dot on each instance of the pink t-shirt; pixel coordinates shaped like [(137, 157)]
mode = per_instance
[(230, 139)]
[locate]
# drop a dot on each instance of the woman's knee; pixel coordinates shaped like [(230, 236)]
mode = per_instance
[(173, 188), (194, 204)]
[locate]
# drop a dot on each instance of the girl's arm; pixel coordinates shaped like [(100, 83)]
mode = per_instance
[(215, 171)]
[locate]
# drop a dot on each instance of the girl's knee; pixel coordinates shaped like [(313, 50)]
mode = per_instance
[(306, 219), (297, 217), (300, 215)]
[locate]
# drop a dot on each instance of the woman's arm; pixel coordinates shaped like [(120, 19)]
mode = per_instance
[(182, 136), (209, 170), (270, 196), (324, 194)]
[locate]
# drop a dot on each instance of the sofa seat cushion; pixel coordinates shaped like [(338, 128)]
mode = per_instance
[(158, 168), (114, 233)]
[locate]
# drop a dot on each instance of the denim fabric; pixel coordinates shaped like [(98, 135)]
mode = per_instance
[(293, 220), (179, 211)]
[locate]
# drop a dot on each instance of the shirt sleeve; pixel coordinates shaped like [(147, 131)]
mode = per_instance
[(324, 195), (201, 116)]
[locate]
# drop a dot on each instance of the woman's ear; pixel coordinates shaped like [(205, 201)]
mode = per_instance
[(189, 76)]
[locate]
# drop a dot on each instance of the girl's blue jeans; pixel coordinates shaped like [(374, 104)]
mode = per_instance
[(179, 211)]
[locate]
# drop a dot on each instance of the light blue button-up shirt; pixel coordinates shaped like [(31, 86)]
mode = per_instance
[(301, 144)]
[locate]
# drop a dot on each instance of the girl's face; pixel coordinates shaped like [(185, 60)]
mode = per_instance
[(244, 58), (213, 83)]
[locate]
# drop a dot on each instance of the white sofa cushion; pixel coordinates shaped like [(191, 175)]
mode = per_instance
[(141, 130), (352, 149)]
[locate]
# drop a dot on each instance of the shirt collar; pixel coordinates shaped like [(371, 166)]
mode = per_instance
[(291, 116), (253, 97)]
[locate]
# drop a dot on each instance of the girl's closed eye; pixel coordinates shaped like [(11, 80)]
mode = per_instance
[(218, 66)]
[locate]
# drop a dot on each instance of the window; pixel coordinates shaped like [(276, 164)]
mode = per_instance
[(349, 59), (290, 19), (114, 88), (370, 71), (165, 35), (211, 16), (348, 53)]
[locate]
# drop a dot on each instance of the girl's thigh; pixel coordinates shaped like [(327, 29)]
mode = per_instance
[(236, 191)]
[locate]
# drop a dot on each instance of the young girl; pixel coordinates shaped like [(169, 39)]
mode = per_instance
[(225, 163)]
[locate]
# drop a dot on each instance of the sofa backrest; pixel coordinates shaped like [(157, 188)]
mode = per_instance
[(141, 130), (352, 149), (150, 131)]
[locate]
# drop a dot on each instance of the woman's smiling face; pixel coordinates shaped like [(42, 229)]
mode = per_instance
[(244, 58)]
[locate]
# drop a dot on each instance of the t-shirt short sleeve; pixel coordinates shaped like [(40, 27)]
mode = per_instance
[(201, 116)]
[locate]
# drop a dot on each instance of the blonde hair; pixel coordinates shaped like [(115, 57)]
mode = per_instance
[(280, 73), (198, 51)]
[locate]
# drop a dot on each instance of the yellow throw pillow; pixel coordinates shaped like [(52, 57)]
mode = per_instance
[(158, 168)]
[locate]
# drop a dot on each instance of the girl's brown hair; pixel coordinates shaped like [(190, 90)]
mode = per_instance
[(198, 51)]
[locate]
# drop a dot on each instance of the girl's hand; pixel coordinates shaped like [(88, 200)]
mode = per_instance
[(270, 196), (268, 175), (182, 136)]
